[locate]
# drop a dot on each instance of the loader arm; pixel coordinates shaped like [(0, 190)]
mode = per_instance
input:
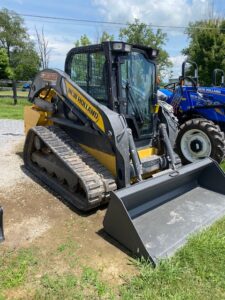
[(108, 127)]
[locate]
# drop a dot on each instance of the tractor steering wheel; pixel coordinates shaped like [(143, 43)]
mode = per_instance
[(194, 85), (171, 86)]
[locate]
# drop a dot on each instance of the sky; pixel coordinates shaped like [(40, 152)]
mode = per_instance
[(61, 35)]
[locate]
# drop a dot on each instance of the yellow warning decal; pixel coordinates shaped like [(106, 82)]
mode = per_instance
[(220, 111), (85, 106), (143, 153)]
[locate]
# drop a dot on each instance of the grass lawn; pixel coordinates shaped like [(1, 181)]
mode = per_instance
[(197, 271), (10, 111), (223, 165), (10, 93)]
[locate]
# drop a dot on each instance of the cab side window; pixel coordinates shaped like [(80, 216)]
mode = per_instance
[(79, 70), (88, 70)]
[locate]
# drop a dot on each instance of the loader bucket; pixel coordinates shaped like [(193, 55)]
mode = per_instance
[(1, 225), (154, 217)]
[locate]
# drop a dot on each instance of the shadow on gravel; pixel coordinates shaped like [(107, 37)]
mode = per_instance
[(12, 134), (20, 154), (113, 242), (65, 202)]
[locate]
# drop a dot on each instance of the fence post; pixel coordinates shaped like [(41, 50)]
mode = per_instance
[(14, 91)]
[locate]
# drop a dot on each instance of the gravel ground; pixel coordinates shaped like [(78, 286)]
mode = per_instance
[(11, 132), (11, 141)]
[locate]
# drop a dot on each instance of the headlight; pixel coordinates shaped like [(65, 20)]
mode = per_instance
[(154, 53), (127, 48), (117, 46)]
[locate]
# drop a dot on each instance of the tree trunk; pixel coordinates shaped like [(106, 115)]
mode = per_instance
[(14, 91)]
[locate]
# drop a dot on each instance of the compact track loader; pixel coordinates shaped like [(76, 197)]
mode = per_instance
[(96, 133)]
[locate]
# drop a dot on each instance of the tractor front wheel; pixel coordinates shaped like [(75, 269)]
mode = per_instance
[(200, 138)]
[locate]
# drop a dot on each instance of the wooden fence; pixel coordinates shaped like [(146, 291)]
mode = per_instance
[(12, 89)]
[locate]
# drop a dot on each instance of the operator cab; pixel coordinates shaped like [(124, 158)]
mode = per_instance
[(120, 76)]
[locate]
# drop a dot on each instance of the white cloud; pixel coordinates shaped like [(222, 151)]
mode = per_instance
[(162, 13), (177, 61), (59, 47), (166, 12)]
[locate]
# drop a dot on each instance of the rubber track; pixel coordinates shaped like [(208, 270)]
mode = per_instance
[(96, 180)]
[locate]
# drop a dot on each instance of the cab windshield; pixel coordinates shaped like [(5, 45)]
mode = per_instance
[(138, 87)]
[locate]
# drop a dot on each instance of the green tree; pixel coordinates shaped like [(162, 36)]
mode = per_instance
[(13, 33), (26, 62), (206, 47), (83, 41), (142, 34), (106, 37), (5, 70), (16, 41)]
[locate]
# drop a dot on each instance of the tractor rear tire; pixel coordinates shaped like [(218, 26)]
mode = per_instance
[(200, 138)]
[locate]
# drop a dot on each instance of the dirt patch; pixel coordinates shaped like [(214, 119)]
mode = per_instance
[(27, 230), (34, 216)]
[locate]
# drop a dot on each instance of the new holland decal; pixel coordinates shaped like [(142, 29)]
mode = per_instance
[(88, 109)]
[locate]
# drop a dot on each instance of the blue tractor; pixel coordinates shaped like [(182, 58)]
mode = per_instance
[(201, 115)]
